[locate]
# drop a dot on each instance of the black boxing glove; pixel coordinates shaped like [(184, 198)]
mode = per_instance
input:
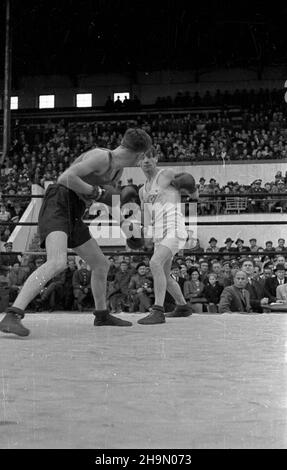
[(129, 194), (104, 194), (134, 233), (186, 182)]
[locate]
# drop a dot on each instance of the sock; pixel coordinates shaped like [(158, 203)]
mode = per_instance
[(17, 311), (158, 307)]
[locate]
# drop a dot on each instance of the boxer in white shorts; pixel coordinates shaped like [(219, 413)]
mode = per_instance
[(160, 201)]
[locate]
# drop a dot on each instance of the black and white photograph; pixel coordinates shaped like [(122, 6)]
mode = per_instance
[(143, 228)]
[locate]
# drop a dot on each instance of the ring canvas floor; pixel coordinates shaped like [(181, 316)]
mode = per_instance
[(202, 382)]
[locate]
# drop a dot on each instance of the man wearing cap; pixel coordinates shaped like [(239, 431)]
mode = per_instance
[(7, 261), (272, 283), (280, 204), (256, 204)]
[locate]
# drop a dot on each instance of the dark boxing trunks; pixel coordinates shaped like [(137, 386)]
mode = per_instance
[(62, 210)]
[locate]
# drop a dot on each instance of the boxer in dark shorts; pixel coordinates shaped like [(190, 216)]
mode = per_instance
[(91, 176)]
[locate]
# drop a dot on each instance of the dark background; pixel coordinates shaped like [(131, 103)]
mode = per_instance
[(90, 36)]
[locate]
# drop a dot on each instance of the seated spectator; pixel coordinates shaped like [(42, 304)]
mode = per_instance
[(68, 291), (52, 293), (16, 278), (253, 245), (269, 247), (281, 245), (193, 291), (227, 278), (212, 292), (175, 274), (217, 270), (240, 245), (279, 259), (81, 285), (236, 298), (228, 247), (183, 273), (254, 287), (118, 296), (8, 260), (213, 248), (140, 290), (5, 215), (267, 272), (272, 283), (203, 270)]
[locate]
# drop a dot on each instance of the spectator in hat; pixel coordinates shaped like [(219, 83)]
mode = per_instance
[(140, 290), (213, 248), (240, 245), (228, 247), (272, 283)]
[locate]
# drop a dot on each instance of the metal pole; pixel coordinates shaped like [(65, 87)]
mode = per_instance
[(7, 84)]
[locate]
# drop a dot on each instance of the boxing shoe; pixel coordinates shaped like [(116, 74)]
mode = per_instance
[(104, 318), (11, 323), (180, 311), (155, 316)]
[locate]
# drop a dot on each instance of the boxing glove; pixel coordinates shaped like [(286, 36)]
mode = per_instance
[(185, 182), (129, 194), (134, 233), (104, 194)]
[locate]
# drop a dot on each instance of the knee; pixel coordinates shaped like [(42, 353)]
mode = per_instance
[(102, 265), (155, 265)]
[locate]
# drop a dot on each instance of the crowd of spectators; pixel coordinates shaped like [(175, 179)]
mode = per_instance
[(202, 275)]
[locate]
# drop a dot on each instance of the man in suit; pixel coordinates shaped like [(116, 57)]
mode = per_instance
[(272, 283), (254, 287), (236, 298)]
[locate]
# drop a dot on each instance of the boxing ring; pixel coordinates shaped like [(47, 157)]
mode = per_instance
[(205, 381), (208, 381)]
